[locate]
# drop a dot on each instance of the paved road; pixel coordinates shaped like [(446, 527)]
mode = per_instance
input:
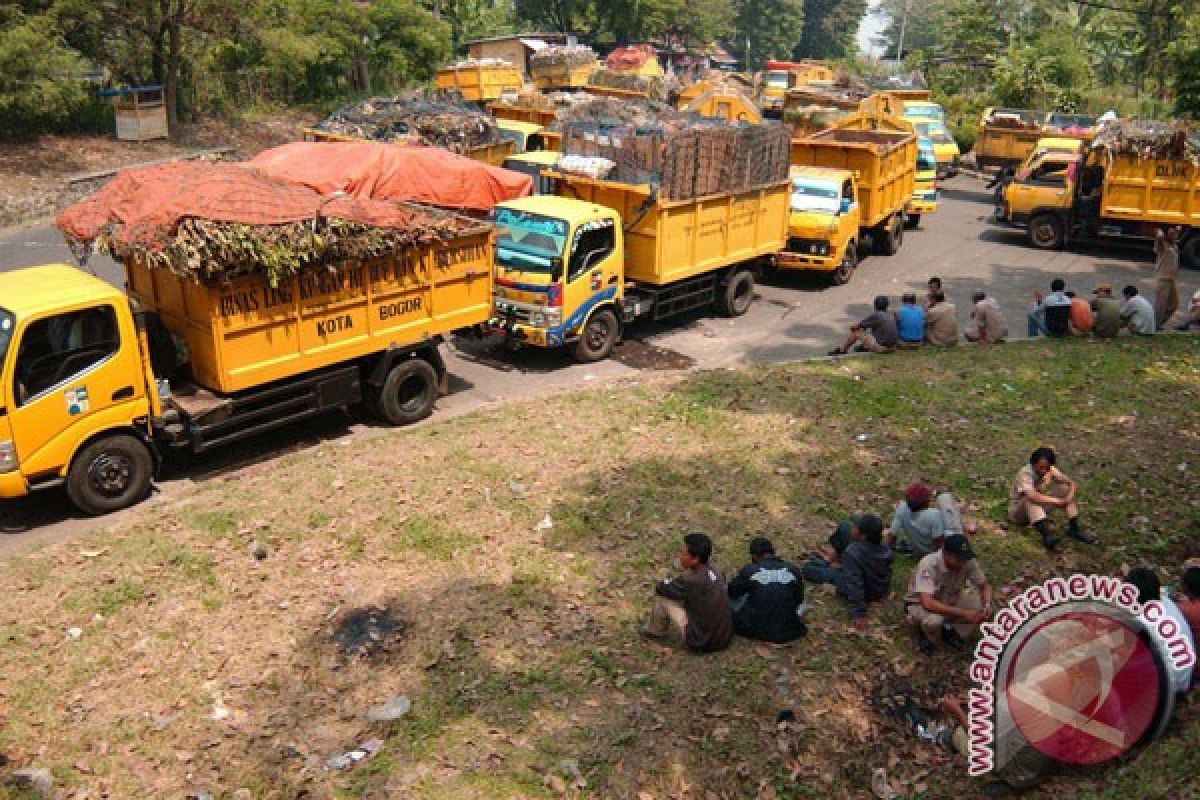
[(792, 319)]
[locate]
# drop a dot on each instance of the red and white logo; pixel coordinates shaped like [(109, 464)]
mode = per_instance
[(1083, 687)]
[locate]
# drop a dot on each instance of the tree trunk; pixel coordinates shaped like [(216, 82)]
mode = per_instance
[(171, 86)]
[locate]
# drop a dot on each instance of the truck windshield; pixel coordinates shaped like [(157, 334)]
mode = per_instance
[(777, 80), (527, 241), (926, 161), (810, 195), (8, 324), (924, 111)]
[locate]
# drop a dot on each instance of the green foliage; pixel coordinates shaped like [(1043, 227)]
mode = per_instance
[(40, 77), (1185, 55), (830, 28), (769, 28)]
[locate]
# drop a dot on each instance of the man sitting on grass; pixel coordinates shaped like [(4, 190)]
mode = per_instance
[(910, 321), (917, 528), (858, 564), (948, 595), (1040, 488), (768, 596), (1150, 588), (876, 333), (1190, 603), (693, 605)]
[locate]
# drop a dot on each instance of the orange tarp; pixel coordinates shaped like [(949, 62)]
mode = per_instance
[(630, 57), (393, 172)]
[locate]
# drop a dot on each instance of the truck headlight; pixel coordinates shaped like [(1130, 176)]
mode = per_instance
[(8, 457), (553, 317), (537, 319)]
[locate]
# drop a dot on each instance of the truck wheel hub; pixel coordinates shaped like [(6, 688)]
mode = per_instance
[(110, 473)]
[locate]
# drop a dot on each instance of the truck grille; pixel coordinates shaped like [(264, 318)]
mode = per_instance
[(809, 247), (513, 311)]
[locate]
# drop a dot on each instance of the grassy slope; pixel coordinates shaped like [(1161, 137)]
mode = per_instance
[(521, 649)]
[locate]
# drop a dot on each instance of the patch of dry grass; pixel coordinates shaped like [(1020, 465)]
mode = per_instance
[(200, 668)]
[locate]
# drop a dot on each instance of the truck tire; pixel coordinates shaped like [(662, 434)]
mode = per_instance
[(111, 473), (912, 221), (888, 238), (598, 337), (1046, 232), (1189, 253), (735, 297), (409, 392), (845, 270)]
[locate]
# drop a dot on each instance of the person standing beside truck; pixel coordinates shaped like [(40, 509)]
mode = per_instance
[(1166, 272), (693, 605), (1137, 314)]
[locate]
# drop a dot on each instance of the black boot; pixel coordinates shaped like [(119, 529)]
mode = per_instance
[(1074, 532), (924, 644), (951, 637), (1049, 540)]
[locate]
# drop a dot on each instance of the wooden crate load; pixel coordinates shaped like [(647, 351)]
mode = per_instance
[(685, 155)]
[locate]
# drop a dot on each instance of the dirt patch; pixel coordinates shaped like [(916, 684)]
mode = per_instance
[(639, 354), (33, 174), (368, 632)]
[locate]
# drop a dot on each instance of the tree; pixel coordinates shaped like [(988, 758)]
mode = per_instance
[(40, 78), (830, 28), (767, 28)]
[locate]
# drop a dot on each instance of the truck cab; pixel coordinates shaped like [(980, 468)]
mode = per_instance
[(559, 273), (525, 136), (945, 149), (1040, 198), (823, 223), (776, 83), (924, 197), (537, 165), (75, 397)]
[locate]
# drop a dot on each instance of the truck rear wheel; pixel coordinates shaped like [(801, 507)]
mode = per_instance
[(841, 275), (735, 298), (109, 474), (598, 338), (1189, 253), (409, 392), (890, 237), (912, 221), (1045, 232)]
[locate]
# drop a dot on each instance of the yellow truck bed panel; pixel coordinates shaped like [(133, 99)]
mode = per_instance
[(493, 154), (479, 83), (246, 333), (997, 146), (884, 164), (670, 241), (562, 76), (517, 113), (1149, 190)]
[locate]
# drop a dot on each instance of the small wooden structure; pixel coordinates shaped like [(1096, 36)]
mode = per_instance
[(141, 112)]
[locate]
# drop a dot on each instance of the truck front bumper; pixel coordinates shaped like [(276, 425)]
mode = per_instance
[(13, 484), (922, 206), (521, 333), (790, 260)]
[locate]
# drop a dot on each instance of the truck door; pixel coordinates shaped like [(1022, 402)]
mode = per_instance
[(593, 271), (70, 369)]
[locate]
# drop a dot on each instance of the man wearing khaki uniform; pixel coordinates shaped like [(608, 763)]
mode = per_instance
[(1166, 272), (1038, 489), (948, 595)]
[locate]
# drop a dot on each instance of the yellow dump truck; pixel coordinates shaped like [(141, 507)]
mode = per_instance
[(780, 76), (525, 136), (1006, 136), (94, 391), (493, 154), (925, 192), (713, 99), (561, 75), (880, 153), (479, 81), (1102, 195), (823, 224), (573, 270), (945, 148), (537, 164)]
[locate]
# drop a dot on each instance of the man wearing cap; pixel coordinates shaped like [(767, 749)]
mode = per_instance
[(768, 596), (860, 566), (1191, 317), (1106, 313), (917, 528), (1166, 272), (693, 605), (948, 595)]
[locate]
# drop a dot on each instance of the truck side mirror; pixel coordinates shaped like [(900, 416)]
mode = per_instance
[(556, 268), (845, 207)]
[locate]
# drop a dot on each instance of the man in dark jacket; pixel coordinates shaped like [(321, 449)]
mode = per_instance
[(861, 571), (768, 596), (693, 605)]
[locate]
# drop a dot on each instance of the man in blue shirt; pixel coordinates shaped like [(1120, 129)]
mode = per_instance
[(910, 321), (1051, 314)]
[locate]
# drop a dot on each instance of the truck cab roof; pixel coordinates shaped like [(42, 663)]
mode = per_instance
[(32, 290), (566, 208)]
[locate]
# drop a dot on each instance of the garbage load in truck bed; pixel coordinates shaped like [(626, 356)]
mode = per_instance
[(562, 66), (440, 119), (479, 80)]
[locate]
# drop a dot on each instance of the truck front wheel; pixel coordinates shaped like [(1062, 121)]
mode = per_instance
[(735, 297), (912, 221), (1046, 232), (1189, 254), (842, 274), (110, 474), (409, 392), (890, 237), (598, 338)]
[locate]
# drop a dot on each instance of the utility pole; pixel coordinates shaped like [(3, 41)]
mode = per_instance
[(903, 26)]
